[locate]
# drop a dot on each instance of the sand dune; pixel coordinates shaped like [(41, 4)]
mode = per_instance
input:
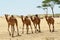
[(44, 35)]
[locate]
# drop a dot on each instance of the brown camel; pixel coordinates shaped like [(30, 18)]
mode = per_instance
[(36, 21), (27, 22), (50, 22), (11, 22)]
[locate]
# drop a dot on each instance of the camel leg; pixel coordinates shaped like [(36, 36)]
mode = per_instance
[(8, 30), (39, 27), (36, 28), (23, 29), (49, 28), (53, 27), (17, 30), (31, 28), (12, 30), (27, 28)]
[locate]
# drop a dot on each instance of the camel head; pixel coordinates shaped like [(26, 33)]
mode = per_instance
[(6, 16), (12, 16), (26, 17), (36, 15), (21, 16)]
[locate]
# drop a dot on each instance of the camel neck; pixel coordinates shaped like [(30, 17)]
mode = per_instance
[(32, 19), (22, 19), (6, 18), (46, 19)]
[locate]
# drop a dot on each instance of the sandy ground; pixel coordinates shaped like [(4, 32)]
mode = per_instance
[(44, 35)]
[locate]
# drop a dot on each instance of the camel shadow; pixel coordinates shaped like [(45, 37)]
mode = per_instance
[(54, 31), (16, 36)]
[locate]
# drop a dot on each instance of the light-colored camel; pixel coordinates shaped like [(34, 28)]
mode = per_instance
[(27, 22), (50, 21), (36, 21), (11, 22)]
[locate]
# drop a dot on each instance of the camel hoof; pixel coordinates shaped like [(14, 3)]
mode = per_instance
[(50, 30), (9, 34), (27, 33), (39, 31), (12, 36), (32, 32), (18, 34), (53, 31), (22, 32)]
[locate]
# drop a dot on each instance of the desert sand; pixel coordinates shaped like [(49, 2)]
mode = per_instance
[(44, 35)]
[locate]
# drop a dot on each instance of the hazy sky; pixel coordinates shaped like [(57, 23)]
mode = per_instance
[(23, 7)]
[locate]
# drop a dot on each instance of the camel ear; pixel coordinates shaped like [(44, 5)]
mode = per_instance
[(6, 15)]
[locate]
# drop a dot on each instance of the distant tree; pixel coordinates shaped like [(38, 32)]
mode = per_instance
[(51, 4), (44, 8), (59, 6)]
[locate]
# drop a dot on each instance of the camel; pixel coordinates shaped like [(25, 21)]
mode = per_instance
[(36, 21), (50, 21), (11, 22), (27, 22)]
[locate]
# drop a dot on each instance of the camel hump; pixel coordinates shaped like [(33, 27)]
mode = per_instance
[(27, 20), (51, 19), (36, 17), (12, 19)]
